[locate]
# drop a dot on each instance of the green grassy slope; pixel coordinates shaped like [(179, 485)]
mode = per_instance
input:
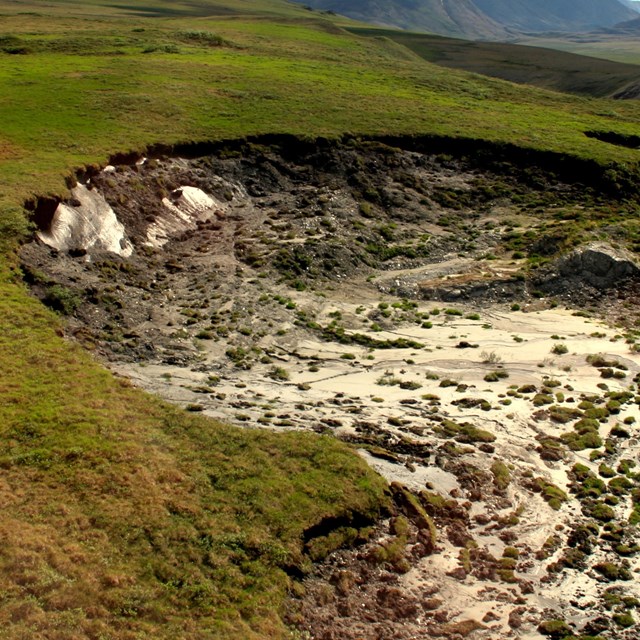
[(546, 68), (123, 518), (75, 98)]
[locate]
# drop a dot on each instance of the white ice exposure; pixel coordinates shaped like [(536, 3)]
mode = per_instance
[(89, 226), (183, 210)]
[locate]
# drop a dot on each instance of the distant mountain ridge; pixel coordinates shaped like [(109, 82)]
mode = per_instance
[(556, 15), (484, 19), (629, 28), (633, 4), (450, 17)]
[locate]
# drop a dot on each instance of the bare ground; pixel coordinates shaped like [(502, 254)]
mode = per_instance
[(294, 295)]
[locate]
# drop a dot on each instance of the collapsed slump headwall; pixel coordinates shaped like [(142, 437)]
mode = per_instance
[(86, 221), (617, 181), (612, 181), (619, 139), (499, 156), (316, 209), (390, 194)]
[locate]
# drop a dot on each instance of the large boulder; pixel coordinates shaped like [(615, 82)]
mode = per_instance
[(599, 265)]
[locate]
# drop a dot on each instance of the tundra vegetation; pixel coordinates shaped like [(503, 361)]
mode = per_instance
[(124, 517)]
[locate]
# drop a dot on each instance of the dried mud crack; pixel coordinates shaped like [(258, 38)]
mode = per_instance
[(293, 285)]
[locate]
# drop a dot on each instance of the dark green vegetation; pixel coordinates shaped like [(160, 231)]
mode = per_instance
[(122, 517), (546, 68)]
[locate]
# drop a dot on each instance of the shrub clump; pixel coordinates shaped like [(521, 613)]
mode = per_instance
[(554, 628), (541, 399), (599, 511), (62, 299), (501, 475), (278, 373), (202, 37), (552, 494), (465, 433), (494, 376), (563, 415), (612, 571)]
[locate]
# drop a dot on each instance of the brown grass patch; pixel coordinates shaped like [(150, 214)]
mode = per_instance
[(8, 150)]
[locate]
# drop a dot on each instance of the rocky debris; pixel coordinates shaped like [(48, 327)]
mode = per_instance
[(600, 265), (360, 593), (254, 293), (332, 213), (370, 592), (491, 291), (583, 275)]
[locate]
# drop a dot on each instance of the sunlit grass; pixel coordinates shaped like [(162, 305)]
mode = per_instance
[(123, 517), (113, 501)]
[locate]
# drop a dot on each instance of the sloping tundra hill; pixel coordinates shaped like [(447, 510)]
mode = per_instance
[(532, 65), (124, 517)]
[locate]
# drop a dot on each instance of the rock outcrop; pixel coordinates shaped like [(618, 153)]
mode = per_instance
[(587, 272), (599, 265)]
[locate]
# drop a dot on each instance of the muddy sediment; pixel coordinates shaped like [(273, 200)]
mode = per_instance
[(303, 288)]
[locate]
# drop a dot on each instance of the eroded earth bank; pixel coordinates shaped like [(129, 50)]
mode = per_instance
[(465, 316)]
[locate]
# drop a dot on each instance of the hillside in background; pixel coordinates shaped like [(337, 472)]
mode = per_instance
[(450, 17), (541, 67), (483, 19), (632, 4), (555, 15), (627, 28)]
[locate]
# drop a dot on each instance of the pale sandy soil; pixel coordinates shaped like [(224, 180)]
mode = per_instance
[(343, 392)]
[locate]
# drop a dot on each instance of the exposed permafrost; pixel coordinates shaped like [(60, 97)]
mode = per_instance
[(89, 225), (185, 208)]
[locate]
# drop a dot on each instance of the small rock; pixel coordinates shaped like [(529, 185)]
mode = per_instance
[(515, 619), (431, 604), (458, 573), (490, 616)]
